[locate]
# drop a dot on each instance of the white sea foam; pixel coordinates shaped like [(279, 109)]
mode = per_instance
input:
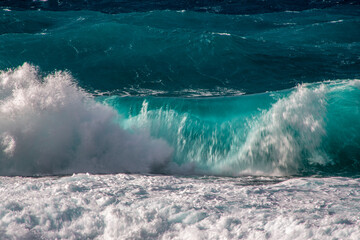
[(288, 135), (221, 33), (48, 125), (218, 91), (188, 93), (166, 207)]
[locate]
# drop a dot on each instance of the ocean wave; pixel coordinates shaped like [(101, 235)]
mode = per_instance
[(49, 125)]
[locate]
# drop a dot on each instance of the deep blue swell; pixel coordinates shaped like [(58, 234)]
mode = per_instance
[(171, 53)]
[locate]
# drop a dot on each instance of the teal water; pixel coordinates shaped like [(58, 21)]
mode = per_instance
[(309, 129), (168, 52)]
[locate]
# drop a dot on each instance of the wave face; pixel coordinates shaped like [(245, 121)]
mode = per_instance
[(179, 53), (311, 128)]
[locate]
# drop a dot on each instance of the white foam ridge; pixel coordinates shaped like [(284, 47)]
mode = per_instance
[(187, 93), (294, 133), (48, 125), (287, 135)]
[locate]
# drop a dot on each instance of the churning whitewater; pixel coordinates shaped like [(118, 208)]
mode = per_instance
[(51, 126), (229, 119), (128, 206)]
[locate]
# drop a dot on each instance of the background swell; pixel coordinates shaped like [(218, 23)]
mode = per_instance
[(176, 53)]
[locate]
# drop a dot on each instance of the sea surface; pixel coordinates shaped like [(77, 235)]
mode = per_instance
[(180, 119)]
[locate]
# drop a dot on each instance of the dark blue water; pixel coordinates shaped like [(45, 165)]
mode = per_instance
[(215, 6), (225, 87)]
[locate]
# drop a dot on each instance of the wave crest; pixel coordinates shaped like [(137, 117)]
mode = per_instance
[(48, 125)]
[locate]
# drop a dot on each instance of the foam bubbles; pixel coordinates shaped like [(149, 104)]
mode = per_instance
[(48, 125), (134, 206), (8, 143), (288, 135)]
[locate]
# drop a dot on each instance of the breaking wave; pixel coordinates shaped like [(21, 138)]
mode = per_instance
[(48, 125), (309, 129)]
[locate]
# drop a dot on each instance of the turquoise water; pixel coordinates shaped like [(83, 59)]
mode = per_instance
[(310, 128)]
